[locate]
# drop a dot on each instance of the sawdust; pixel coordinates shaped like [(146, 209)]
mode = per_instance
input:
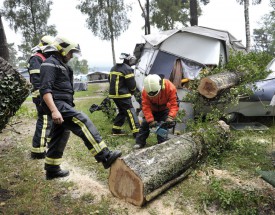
[(86, 183)]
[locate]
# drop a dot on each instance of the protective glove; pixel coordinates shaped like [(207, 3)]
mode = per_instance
[(169, 119), (170, 122), (153, 124)]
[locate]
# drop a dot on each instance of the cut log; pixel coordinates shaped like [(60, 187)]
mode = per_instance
[(142, 175), (211, 85), (14, 89)]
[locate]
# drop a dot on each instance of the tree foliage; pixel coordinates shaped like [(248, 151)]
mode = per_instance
[(13, 58), (79, 66), (264, 37), (167, 14), (29, 17), (106, 18), (253, 64)]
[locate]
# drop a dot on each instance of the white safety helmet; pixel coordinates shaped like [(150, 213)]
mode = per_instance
[(44, 42), (130, 59), (152, 85), (64, 46)]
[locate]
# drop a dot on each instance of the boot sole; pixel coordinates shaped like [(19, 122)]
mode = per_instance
[(49, 177), (112, 160)]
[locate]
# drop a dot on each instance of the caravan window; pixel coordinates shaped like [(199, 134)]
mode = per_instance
[(145, 59)]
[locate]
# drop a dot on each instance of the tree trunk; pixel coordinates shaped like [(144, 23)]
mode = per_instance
[(4, 50), (211, 85), (193, 13), (147, 18), (247, 25), (14, 89), (144, 174)]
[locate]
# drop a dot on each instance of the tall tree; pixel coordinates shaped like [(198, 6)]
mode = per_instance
[(195, 10), (146, 15), (264, 37), (247, 22), (106, 18), (30, 18), (167, 14)]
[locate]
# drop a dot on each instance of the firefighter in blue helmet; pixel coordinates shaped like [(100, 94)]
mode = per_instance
[(43, 123), (57, 93), (122, 86)]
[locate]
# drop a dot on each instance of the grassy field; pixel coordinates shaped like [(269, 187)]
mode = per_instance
[(225, 184)]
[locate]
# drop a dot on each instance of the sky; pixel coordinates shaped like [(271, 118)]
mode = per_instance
[(219, 14)]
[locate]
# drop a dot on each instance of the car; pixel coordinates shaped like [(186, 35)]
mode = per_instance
[(262, 101)]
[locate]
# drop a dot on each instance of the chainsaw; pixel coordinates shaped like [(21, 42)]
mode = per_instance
[(162, 128)]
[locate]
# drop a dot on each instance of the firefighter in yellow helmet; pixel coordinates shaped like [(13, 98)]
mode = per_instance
[(57, 93), (159, 103), (43, 123)]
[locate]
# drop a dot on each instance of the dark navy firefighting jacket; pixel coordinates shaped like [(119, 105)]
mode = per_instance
[(57, 78), (122, 81)]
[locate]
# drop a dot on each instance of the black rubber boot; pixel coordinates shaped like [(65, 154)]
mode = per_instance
[(37, 155), (107, 157), (56, 174)]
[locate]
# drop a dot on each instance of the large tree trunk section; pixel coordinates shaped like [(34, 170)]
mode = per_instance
[(4, 50), (14, 89), (142, 175), (211, 85)]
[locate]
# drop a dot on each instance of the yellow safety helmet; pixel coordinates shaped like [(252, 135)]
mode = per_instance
[(152, 85), (64, 46), (44, 41)]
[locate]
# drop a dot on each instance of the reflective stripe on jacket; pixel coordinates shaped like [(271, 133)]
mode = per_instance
[(166, 99), (34, 64), (122, 81)]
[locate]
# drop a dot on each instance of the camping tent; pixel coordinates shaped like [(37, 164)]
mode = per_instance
[(194, 47)]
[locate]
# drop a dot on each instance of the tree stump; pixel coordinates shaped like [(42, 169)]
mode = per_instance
[(211, 85), (142, 175)]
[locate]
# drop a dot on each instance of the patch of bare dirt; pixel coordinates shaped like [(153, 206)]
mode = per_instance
[(86, 183)]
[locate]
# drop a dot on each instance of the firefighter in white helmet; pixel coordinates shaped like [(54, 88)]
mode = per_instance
[(57, 93), (159, 103), (122, 87), (43, 123)]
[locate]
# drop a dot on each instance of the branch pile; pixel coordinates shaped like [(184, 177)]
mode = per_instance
[(14, 89)]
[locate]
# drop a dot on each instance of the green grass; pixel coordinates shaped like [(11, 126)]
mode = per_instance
[(24, 190)]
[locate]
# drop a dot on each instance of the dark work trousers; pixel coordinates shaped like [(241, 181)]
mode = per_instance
[(81, 125), (144, 130), (42, 130), (126, 110)]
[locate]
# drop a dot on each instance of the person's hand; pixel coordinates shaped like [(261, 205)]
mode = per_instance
[(169, 119), (57, 117), (153, 124), (170, 122)]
